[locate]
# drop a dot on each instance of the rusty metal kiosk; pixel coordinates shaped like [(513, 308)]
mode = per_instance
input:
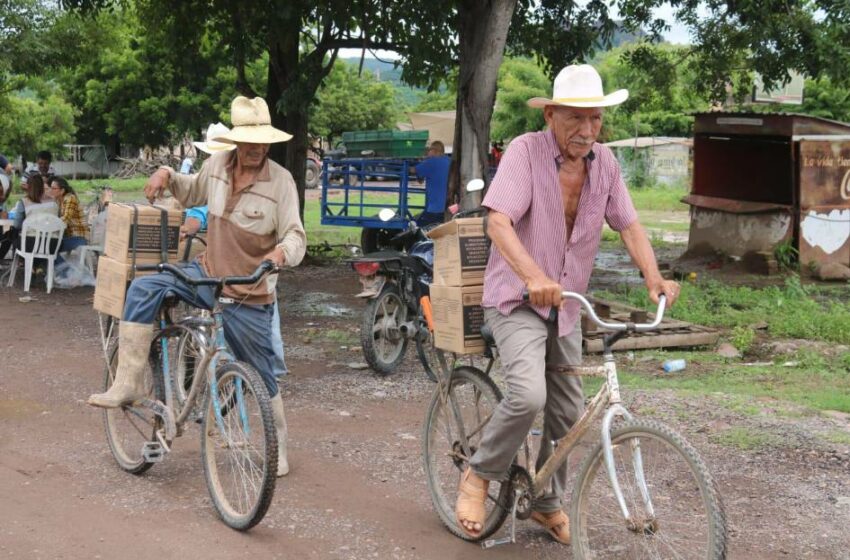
[(765, 179)]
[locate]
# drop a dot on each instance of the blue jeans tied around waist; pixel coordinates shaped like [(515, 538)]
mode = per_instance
[(247, 328)]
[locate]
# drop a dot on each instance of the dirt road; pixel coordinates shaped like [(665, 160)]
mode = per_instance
[(356, 489)]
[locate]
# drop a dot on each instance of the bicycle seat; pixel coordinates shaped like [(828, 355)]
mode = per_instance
[(489, 340)]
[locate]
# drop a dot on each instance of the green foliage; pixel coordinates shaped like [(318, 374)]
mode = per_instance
[(743, 338), (792, 310), (445, 100), (786, 255), (660, 100), (519, 80), (135, 89), (825, 98), (347, 101), (33, 121)]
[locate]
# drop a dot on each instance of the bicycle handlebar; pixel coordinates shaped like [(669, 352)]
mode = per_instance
[(265, 266), (637, 327)]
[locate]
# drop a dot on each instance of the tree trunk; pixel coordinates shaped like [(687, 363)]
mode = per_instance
[(483, 31), (283, 74)]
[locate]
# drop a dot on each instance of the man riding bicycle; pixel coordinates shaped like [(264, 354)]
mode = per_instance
[(253, 216), (548, 202)]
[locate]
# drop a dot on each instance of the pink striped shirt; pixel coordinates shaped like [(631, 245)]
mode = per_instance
[(527, 190)]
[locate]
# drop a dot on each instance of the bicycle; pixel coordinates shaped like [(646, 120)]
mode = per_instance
[(643, 491), (190, 366)]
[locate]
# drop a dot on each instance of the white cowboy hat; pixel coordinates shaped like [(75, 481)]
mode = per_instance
[(211, 146), (252, 123), (579, 85)]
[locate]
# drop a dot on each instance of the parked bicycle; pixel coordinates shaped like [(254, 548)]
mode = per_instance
[(192, 375), (642, 492)]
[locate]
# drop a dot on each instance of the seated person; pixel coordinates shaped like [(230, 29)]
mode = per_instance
[(33, 203), (42, 167), (76, 230), (435, 170)]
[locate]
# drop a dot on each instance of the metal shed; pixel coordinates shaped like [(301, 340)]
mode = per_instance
[(764, 179)]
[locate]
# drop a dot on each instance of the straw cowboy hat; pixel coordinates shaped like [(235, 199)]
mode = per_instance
[(211, 146), (251, 123), (579, 85)]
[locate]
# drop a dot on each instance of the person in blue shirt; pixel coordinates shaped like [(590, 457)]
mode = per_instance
[(435, 170)]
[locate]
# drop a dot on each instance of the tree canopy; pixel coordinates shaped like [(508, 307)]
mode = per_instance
[(348, 101)]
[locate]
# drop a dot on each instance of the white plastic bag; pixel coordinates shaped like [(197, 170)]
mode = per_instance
[(70, 274)]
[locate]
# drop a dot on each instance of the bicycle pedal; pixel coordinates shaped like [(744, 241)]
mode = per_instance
[(153, 452)]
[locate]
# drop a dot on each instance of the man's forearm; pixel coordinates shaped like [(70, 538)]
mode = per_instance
[(500, 230), (640, 249)]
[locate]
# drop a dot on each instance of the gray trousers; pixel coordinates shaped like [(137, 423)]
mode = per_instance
[(530, 350)]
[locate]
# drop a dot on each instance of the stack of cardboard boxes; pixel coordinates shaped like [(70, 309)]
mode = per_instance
[(134, 235), (460, 257)]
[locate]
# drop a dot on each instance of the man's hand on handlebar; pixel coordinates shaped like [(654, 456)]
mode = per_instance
[(660, 286), (544, 292), (156, 184), (277, 256)]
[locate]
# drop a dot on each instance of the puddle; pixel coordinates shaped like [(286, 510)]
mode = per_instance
[(320, 304)]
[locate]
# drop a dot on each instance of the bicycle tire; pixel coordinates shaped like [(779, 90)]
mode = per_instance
[(257, 410), (382, 356), (426, 352), (442, 471), (119, 422), (671, 465)]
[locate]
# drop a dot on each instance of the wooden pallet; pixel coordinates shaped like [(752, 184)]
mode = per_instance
[(670, 333)]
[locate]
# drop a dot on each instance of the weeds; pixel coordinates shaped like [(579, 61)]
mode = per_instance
[(792, 310), (746, 438), (742, 338)]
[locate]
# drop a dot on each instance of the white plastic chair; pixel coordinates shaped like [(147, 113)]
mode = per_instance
[(43, 229)]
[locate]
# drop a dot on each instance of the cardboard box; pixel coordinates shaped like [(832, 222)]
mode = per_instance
[(120, 229), (458, 318), (460, 252), (111, 287)]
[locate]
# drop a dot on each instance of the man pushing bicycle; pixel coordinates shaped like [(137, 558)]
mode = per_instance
[(253, 216), (548, 202)]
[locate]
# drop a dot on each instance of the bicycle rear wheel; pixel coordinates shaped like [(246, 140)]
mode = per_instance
[(239, 446), (688, 520), (442, 452), (129, 428)]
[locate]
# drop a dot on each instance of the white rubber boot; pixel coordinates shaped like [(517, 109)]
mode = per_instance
[(134, 344), (280, 424)]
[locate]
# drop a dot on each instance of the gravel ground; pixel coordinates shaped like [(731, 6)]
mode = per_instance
[(357, 488)]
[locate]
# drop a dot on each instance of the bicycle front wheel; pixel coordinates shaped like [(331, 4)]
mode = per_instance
[(239, 446), (443, 454), (687, 518)]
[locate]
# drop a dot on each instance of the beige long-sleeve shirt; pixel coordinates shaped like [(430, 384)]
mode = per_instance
[(245, 226)]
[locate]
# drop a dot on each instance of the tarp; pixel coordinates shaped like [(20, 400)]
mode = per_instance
[(439, 124)]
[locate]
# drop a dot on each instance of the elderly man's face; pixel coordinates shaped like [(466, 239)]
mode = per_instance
[(575, 129), (43, 165), (251, 155)]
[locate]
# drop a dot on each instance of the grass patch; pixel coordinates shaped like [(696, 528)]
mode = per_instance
[(339, 336), (746, 438), (660, 198), (837, 436), (792, 310)]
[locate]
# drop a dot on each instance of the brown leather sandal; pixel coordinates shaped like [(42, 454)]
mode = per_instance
[(470, 504), (557, 524)]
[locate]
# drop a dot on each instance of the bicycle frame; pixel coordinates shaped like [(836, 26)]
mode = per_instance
[(606, 400)]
